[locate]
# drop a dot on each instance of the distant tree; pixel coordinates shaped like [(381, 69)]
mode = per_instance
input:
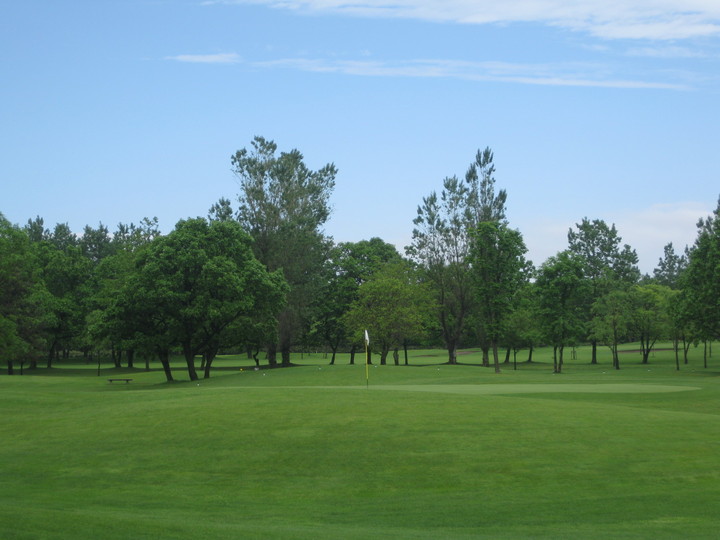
[(36, 231), (108, 279), (561, 291), (221, 211), (612, 319), (96, 244), (62, 237), (349, 266), (283, 205), (21, 318), (131, 238), (701, 280), (67, 277), (200, 279), (140, 316), (391, 306), (670, 267), (441, 242), (499, 271), (651, 317), (681, 327), (522, 326), (608, 265)]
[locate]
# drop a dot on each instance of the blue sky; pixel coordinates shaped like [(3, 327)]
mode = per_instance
[(116, 110)]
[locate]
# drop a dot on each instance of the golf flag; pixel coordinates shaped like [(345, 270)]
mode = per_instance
[(367, 364)]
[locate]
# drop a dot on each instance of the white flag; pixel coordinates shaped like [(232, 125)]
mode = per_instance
[(367, 339)]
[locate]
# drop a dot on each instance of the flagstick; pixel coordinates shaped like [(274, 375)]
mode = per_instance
[(367, 367), (367, 360)]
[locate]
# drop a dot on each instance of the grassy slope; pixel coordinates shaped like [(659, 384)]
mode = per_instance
[(299, 453)]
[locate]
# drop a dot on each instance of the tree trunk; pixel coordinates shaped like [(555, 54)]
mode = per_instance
[(190, 361), (496, 358), (383, 354), (116, 356), (452, 353), (272, 355), (561, 352), (130, 354), (616, 356), (285, 352), (352, 354), (164, 357), (209, 357), (485, 355), (594, 352), (530, 354), (677, 354), (645, 348), (507, 356), (10, 369), (51, 355), (406, 351), (396, 356)]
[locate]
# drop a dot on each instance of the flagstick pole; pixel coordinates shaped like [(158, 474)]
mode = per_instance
[(367, 360), (367, 367)]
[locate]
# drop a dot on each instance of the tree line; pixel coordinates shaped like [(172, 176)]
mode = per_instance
[(265, 279)]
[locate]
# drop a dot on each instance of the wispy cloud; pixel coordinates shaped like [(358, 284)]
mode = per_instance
[(221, 58), (579, 75), (629, 19)]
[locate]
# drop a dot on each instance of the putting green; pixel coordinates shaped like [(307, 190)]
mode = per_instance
[(498, 389), (628, 388)]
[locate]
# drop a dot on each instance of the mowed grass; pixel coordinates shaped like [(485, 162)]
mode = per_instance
[(424, 451)]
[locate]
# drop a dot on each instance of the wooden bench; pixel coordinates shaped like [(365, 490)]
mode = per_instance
[(113, 380)]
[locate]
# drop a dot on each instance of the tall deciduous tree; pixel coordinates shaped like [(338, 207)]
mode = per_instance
[(392, 306), (67, 277), (612, 319), (109, 277), (499, 270), (701, 280), (20, 297), (201, 278), (561, 290), (283, 205), (349, 266), (608, 264), (441, 242), (522, 327), (651, 315)]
